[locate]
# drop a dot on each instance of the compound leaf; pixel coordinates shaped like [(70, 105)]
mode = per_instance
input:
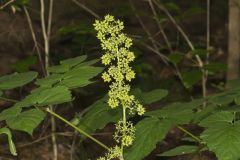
[(26, 121)]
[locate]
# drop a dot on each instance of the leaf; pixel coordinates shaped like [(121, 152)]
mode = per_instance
[(151, 96), (149, 132), (74, 61), (217, 119), (47, 96), (79, 77), (215, 67), (98, 115), (12, 147), (24, 64), (191, 78), (175, 58), (237, 100), (10, 112), (27, 121), (223, 139), (16, 80), (59, 69), (200, 52), (180, 150), (50, 80), (178, 113)]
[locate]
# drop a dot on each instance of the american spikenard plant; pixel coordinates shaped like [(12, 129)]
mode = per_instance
[(119, 74)]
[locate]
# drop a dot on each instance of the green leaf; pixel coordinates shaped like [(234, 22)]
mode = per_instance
[(151, 96), (27, 121), (50, 80), (59, 69), (12, 147), (24, 64), (74, 61), (98, 115), (180, 150), (223, 139), (215, 67), (47, 96), (149, 132), (200, 52), (16, 80), (178, 113), (10, 112), (191, 78), (175, 58), (217, 119), (237, 100), (79, 76)]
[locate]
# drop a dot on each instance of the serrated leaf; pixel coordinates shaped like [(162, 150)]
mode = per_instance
[(10, 112), (149, 132), (12, 147), (223, 139), (27, 121), (178, 113), (217, 119), (180, 150), (16, 80), (98, 115), (74, 61), (50, 80), (47, 96), (79, 77), (191, 78)]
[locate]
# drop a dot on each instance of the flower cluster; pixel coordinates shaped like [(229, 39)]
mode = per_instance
[(117, 58), (114, 152)]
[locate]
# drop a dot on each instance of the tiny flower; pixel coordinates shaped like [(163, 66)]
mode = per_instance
[(106, 77)]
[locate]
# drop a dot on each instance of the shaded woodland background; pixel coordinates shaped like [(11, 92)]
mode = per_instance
[(156, 38)]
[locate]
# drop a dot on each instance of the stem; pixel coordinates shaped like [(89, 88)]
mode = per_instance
[(190, 134), (86, 9), (46, 36), (8, 100), (77, 129), (34, 39)]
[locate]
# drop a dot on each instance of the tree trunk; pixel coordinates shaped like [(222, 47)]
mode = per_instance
[(233, 40)]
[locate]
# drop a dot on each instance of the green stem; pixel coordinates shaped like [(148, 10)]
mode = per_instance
[(78, 129), (9, 100), (190, 134)]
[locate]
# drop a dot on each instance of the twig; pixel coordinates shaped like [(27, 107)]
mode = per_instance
[(34, 38), (8, 100), (155, 48), (46, 49), (77, 129), (50, 19), (159, 25), (6, 4), (190, 134), (86, 9), (200, 62)]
